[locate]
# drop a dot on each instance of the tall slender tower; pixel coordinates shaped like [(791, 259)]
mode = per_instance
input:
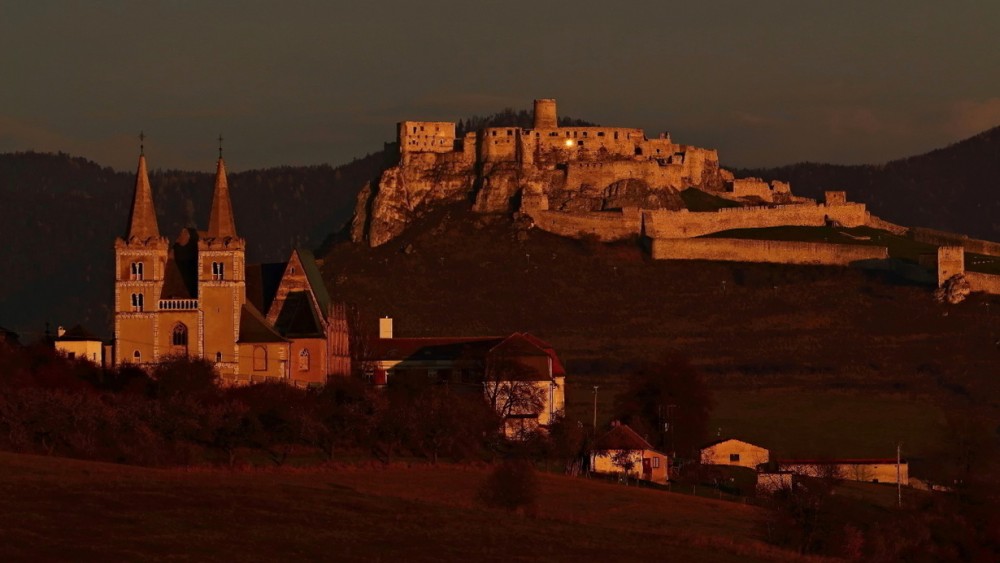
[(221, 278), (140, 259)]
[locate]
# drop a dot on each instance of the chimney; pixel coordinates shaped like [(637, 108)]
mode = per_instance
[(60, 332), (385, 327)]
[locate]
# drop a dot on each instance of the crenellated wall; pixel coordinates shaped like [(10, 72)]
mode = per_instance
[(686, 224), (778, 252)]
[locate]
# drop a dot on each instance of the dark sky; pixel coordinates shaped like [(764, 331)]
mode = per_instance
[(765, 82)]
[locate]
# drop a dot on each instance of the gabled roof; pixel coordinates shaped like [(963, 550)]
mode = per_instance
[(78, 334), (142, 218), (531, 344), (298, 317), (472, 348), (174, 284), (621, 437), (262, 281), (315, 279), (723, 440), (255, 328), (221, 223)]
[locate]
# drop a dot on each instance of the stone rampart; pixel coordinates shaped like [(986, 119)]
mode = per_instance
[(607, 226), (426, 136), (879, 223), (778, 252), (988, 283), (685, 224), (943, 238)]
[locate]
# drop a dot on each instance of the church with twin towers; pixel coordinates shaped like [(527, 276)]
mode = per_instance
[(196, 296)]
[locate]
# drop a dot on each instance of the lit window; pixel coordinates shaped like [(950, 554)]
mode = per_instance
[(137, 302), (218, 270), (136, 271), (656, 462), (304, 360)]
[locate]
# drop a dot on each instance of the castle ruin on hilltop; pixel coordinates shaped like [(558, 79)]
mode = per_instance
[(610, 183)]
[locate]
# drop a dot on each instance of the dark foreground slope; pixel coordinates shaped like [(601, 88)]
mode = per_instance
[(751, 327), (57, 509), (955, 188)]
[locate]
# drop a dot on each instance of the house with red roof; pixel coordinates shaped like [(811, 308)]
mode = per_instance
[(504, 367), (622, 450)]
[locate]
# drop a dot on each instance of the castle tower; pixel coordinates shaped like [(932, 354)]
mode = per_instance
[(545, 114), (221, 278), (140, 259)]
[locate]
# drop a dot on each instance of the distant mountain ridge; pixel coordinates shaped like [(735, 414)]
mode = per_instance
[(954, 188)]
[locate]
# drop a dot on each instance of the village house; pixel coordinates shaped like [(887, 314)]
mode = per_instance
[(884, 470), (79, 342), (623, 450), (734, 452), (501, 366)]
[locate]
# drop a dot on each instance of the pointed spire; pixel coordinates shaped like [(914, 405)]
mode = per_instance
[(221, 223), (142, 219)]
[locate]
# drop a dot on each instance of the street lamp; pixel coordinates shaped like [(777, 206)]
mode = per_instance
[(595, 409)]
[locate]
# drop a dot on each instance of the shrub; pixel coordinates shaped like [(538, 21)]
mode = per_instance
[(512, 485)]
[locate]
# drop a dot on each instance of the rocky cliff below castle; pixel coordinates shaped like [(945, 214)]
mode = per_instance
[(576, 170)]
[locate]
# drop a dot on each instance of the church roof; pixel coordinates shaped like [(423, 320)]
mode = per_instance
[(142, 218), (175, 286), (298, 317), (221, 223), (255, 328), (315, 277), (262, 283)]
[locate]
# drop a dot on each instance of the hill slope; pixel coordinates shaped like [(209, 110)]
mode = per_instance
[(58, 509), (955, 188)]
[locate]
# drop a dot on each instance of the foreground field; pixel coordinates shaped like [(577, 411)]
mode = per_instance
[(59, 509)]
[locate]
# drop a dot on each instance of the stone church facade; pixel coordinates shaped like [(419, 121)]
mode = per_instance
[(197, 297)]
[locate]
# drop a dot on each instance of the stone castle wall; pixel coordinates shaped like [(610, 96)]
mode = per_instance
[(687, 224), (942, 238), (987, 283), (607, 226), (778, 252), (951, 262)]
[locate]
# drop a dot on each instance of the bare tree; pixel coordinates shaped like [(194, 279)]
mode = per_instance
[(512, 392)]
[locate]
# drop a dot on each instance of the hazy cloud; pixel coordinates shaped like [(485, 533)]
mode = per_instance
[(969, 117)]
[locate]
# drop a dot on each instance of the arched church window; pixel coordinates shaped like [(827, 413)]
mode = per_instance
[(218, 357), (218, 270), (136, 271), (136, 357), (304, 360), (259, 358), (180, 335)]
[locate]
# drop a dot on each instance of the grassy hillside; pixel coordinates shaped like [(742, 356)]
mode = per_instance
[(58, 509), (798, 331)]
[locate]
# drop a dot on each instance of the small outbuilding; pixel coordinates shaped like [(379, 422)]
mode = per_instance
[(734, 452), (79, 342), (622, 450)]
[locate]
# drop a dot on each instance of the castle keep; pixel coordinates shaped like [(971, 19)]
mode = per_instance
[(197, 297)]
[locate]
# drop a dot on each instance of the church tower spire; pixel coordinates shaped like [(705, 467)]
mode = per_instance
[(221, 223), (142, 219)]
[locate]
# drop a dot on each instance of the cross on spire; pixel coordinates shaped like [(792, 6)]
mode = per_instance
[(142, 146), (220, 145)]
